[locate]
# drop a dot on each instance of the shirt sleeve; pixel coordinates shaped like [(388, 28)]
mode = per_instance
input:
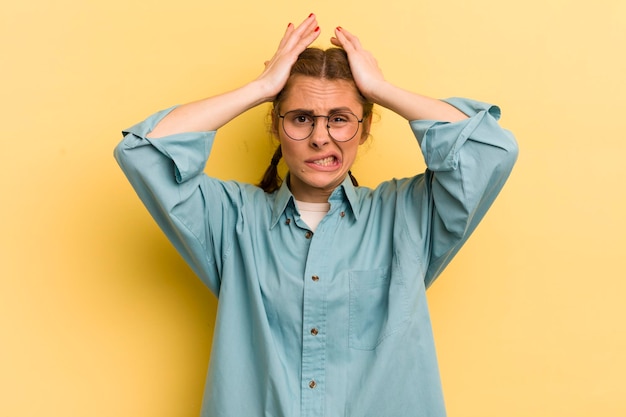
[(468, 163), (168, 176)]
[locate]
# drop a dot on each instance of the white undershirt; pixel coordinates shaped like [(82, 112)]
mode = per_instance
[(312, 213)]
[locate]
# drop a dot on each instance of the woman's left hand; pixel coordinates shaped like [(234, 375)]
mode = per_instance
[(365, 70), (371, 83)]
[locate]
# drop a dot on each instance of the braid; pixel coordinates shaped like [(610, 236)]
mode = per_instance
[(354, 181), (271, 181), (277, 155)]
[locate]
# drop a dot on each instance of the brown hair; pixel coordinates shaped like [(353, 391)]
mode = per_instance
[(331, 64)]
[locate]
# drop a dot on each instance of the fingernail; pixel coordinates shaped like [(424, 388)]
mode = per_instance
[(311, 14), (339, 28), (317, 29), (289, 25)]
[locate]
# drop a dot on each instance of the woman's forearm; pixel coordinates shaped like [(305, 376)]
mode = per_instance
[(413, 106), (211, 113)]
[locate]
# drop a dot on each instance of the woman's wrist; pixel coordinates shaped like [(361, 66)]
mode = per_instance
[(259, 92)]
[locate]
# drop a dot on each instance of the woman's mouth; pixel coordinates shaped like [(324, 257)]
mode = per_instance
[(325, 162)]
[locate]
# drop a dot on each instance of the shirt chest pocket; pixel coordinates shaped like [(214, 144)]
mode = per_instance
[(378, 307)]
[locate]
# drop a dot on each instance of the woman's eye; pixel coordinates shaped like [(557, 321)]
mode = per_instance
[(338, 118), (302, 118)]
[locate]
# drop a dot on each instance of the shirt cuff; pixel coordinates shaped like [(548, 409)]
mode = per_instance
[(441, 141), (189, 151)]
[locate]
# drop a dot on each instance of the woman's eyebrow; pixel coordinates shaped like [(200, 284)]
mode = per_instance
[(331, 111), (308, 111), (340, 109)]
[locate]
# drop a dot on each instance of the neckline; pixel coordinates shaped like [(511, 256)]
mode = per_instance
[(316, 207)]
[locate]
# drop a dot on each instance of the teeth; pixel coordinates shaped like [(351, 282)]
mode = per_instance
[(325, 162)]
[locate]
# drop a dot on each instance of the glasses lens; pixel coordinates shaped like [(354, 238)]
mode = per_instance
[(298, 125), (341, 126)]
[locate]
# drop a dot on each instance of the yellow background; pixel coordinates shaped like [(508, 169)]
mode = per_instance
[(100, 317)]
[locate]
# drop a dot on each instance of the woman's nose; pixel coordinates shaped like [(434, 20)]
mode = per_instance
[(320, 135)]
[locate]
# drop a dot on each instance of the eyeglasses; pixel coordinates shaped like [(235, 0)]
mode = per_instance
[(341, 126)]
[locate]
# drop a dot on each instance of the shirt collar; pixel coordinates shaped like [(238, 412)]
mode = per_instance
[(282, 198), (345, 191)]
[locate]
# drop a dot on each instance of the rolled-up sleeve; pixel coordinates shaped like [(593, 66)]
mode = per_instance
[(468, 163), (168, 176)]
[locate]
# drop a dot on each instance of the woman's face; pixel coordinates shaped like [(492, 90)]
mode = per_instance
[(318, 164)]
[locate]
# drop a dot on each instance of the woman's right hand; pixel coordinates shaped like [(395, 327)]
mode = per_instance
[(213, 112), (294, 42)]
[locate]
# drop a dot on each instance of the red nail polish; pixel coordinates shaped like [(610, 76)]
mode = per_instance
[(339, 28), (311, 14), (289, 25), (317, 29)]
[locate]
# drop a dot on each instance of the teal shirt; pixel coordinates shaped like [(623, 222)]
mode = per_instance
[(333, 323)]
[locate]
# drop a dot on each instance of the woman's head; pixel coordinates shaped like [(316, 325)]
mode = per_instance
[(320, 83), (330, 64)]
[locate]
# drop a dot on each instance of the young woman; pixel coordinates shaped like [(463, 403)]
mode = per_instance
[(321, 283)]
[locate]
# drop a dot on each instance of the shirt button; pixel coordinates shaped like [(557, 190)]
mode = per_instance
[(315, 278), (287, 221), (314, 331), (343, 213), (308, 234), (312, 384)]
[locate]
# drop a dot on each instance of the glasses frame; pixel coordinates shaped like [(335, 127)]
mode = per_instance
[(327, 117)]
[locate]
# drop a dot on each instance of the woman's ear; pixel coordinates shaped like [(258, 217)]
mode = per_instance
[(274, 122), (367, 124)]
